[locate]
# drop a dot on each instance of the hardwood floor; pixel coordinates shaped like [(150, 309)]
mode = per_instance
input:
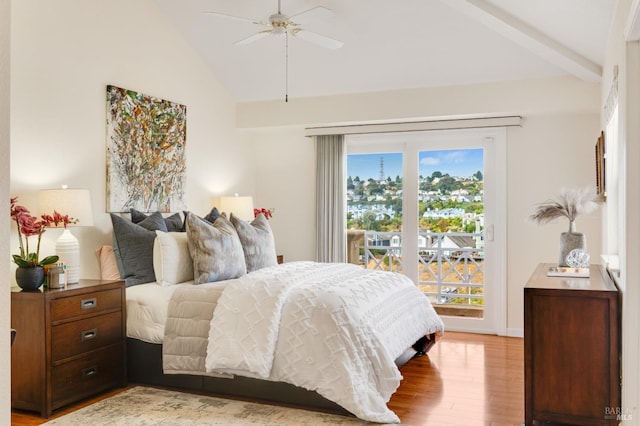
[(466, 379)]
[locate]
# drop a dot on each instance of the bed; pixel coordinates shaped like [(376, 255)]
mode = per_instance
[(320, 335)]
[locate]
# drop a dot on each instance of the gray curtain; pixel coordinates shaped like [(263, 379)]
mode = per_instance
[(331, 236)]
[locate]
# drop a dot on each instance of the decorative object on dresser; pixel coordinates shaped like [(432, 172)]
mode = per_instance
[(572, 203), (70, 344), (268, 213), (572, 348), (30, 273), (77, 203)]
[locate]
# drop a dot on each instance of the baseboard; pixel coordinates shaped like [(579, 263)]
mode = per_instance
[(515, 332)]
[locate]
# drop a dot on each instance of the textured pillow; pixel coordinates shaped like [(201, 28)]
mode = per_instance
[(215, 249), (212, 215), (257, 242), (173, 223), (108, 263), (133, 247), (172, 263)]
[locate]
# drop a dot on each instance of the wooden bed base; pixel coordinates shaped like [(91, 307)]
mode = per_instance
[(144, 366)]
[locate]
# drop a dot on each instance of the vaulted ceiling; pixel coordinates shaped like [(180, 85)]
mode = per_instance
[(392, 45)]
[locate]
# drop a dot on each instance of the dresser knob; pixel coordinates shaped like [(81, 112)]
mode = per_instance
[(89, 372), (88, 334), (88, 303)]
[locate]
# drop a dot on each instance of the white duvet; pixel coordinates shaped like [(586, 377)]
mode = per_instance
[(332, 328)]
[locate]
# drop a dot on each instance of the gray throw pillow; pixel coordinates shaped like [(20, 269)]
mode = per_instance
[(257, 241), (212, 215), (133, 248), (215, 249), (172, 223)]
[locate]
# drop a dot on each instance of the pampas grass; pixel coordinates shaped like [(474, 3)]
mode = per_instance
[(572, 203)]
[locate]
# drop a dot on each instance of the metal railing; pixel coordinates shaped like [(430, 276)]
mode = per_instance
[(451, 264)]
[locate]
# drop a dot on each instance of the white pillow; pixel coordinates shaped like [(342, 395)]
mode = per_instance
[(172, 262)]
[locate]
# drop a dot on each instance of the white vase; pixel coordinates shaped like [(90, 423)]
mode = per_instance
[(68, 250)]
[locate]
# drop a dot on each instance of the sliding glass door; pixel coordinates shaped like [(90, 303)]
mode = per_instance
[(430, 205)]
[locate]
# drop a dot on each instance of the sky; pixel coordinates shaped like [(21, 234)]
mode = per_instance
[(455, 162)]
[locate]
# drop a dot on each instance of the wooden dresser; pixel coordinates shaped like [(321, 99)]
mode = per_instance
[(572, 348), (70, 344)]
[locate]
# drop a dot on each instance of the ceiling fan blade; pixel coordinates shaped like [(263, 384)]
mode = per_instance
[(237, 18), (310, 15), (254, 37), (318, 39)]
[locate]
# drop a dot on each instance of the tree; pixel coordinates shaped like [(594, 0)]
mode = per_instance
[(447, 184), (397, 206), (369, 221)]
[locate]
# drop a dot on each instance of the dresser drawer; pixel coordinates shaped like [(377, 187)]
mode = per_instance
[(77, 337), (98, 301), (97, 371)]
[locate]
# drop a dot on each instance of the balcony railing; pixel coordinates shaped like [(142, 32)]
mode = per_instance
[(450, 264)]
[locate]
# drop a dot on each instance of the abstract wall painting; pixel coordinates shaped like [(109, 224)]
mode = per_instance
[(146, 163)]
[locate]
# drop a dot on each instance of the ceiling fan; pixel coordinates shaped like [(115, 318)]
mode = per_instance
[(281, 24)]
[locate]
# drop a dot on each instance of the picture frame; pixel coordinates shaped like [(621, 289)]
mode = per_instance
[(600, 156)]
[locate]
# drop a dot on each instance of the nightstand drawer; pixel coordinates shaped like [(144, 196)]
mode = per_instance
[(76, 337), (99, 301), (86, 376)]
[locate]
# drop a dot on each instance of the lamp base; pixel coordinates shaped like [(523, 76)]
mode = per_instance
[(68, 250)]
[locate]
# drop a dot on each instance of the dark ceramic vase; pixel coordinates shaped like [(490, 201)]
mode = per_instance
[(30, 278)]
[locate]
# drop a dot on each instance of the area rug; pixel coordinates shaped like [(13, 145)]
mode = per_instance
[(144, 406)]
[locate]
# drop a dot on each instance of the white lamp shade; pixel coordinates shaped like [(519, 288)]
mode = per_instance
[(242, 207), (73, 202)]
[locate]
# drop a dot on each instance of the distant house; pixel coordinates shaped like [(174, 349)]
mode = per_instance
[(444, 213)]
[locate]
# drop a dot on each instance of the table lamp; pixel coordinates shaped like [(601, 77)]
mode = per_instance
[(77, 204), (241, 207)]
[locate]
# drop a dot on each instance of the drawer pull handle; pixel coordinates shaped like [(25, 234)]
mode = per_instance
[(88, 334), (90, 371), (89, 303)]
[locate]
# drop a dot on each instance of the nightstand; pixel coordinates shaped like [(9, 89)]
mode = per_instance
[(70, 344)]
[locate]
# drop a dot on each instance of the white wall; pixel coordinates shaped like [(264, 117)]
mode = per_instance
[(284, 167), (5, 312), (64, 53), (626, 57), (553, 148)]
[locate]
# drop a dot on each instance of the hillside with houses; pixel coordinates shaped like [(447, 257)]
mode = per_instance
[(446, 203), (450, 239)]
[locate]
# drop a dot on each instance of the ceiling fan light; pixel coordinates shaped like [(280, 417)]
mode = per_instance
[(278, 30)]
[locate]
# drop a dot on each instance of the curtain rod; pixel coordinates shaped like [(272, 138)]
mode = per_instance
[(413, 126)]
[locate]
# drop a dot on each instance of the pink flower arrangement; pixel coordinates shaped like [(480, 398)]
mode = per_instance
[(30, 226), (266, 212)]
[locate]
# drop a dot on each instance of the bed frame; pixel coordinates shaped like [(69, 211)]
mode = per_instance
[(144, 366)]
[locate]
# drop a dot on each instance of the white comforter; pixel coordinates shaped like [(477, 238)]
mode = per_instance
[(332, 328)]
